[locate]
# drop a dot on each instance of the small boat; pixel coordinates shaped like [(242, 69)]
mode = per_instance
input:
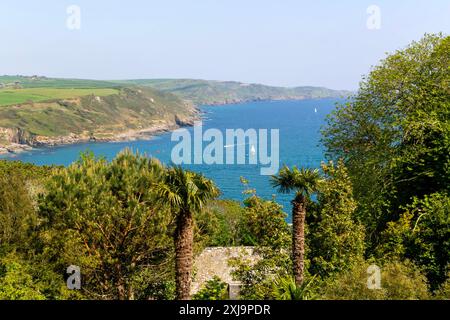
[(252, 150), (315, 110)]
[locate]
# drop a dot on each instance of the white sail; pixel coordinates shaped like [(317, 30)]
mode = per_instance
[(252, 150)]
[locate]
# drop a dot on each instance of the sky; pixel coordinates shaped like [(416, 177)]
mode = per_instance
[(279, 42)]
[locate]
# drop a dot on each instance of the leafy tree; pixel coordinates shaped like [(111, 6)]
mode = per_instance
[(17, 214), (16, 282), (265, 227), (28, 279), (103, 218), (186, 193), (264, 224), (335, 238), (422, 234), (221, 224), (394, 134), (303, 182), (399, 281)]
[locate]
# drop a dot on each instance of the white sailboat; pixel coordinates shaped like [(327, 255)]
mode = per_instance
[(315, 110), (252, 150)]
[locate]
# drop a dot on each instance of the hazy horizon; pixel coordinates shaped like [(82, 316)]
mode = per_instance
[(288, 44)]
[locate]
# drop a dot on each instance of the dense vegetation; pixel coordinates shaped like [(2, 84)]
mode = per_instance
[(133, 225), (394, 138)]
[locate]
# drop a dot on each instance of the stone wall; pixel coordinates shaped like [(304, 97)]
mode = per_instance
[(214, 262)]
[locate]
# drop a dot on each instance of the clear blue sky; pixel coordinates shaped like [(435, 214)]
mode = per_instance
[(277, 42)]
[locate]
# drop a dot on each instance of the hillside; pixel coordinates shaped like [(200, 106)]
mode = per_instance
[(196, 91), (222, 92), (10, 96), (126, 113)]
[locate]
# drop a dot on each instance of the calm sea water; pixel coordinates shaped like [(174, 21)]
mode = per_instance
[(299, 124)]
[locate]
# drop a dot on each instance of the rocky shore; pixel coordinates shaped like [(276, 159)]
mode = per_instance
[(15, 140)]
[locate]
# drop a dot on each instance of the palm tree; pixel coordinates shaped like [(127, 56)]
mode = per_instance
[(304, 182), (185, 193)]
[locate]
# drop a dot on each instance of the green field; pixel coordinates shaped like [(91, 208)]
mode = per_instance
[(11, 96)]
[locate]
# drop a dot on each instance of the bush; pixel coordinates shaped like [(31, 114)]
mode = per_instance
[(214, 289), (422, 234), (286, 289), (399, 281), (220, 224)]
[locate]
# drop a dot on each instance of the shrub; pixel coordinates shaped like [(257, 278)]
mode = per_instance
[(214, 289)]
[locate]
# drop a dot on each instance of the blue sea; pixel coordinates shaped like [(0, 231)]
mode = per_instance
[(299, 124)]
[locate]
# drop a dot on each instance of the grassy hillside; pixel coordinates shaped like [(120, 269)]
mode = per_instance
[(93, 115), (11, 96), (219, 92)]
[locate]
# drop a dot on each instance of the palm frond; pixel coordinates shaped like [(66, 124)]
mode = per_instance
[(303, 181)]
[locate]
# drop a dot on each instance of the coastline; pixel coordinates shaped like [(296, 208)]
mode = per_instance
[(147, 133)]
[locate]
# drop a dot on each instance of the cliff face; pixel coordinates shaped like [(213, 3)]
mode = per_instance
[(16, 135)]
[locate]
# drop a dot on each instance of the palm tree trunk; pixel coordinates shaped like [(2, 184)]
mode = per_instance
[(184, 238), (298, 238)]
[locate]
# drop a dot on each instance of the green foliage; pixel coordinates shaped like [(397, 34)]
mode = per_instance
[(286, 289), (214, 289), (221, 224), (151, 285), (30, 279), (267, 229), (302, 181), (102, 217), (16, 282), (185, 191), (394, 135), (17, 214), (264, 224), (335, 239), (23, 272), (443, 293), (422, 234), (258, 223), (257, 277), (399, 281), (27, 170)]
